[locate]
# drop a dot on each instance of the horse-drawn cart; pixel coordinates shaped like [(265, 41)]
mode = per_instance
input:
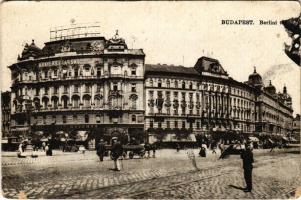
[(128, 150)]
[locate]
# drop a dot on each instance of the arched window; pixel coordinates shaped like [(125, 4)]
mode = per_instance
[(183, 85), (55, 101), (75, 101), (45, 101), (65, 101), (151, 83), (176, 84), (168, 83), (98, 102), (159, 83), (113, 102), (190, 85), (87, 101)]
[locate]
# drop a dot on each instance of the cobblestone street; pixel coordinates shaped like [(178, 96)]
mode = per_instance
[(169, 175)]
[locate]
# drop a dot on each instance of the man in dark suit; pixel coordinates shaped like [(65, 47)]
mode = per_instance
[(100, 149), (117, 151), (247, 158)]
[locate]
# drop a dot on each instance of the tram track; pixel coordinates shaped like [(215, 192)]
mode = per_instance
[(155, 187)]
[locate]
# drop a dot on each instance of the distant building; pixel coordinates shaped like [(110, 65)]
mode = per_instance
[(296, 128), (5, 113)]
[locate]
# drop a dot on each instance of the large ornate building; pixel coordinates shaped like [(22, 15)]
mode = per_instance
[(101, 86), (5, 113)]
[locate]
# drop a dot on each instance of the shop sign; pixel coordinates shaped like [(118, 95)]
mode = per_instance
[(59, 62)]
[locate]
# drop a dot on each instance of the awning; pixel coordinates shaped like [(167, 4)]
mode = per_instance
[(4, 141), (293, 140), (254, 139), (285, 138)]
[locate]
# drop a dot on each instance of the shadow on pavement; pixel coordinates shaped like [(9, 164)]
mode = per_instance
[(236, 187)]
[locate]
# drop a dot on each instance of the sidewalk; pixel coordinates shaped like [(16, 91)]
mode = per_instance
[(10, 158)]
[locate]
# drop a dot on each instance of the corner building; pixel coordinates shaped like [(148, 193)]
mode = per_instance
[(90, 84), (101, 86)]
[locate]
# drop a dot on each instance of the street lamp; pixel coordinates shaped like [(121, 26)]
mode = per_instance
[(29, 109)]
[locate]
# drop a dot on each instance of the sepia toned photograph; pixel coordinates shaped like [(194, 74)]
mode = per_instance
[(150, 100)]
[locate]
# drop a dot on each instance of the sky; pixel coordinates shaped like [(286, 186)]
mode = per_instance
[(169, 32)]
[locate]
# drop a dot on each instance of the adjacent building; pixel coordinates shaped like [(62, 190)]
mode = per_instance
[(90, 83), (296, 128), (5, 113)]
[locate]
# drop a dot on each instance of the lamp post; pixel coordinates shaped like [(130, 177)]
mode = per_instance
[(28, 108)]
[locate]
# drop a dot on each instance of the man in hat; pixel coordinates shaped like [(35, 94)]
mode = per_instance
[(117, 151), (100, 149), (247, 158)]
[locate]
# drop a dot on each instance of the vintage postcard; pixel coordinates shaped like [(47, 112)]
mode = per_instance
[(150, 100)]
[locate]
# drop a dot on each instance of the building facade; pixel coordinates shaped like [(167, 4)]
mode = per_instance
[(5, 113), (103, 87), (296, 128), (86, 83)]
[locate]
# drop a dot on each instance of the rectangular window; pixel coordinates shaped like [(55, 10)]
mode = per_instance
[(76, 88), (65, 89), (98, 72), (133, 118), (198, 125), (64, 119), (115, 87), (151, 124), (133, 87), (176, 112), (75, 119), (168, 124), (98, 119), (183, 124), (46, 90), (55, 90), (190, 125), (159, 125), (133, 72), (87, 88), (44, 119), (98, 88), (176, 124)]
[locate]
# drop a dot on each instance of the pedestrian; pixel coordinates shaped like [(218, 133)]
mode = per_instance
[(117, 151), (154, 149), (202, 152), (178, 147), (147, 149), (213, 147), (272, 147), (20, 151), (44, 146), (222, 147), (47, 150), (247, 157), (100, 150)]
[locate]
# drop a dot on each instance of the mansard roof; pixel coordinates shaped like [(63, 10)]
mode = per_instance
[(210, 65), (169, 69)]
